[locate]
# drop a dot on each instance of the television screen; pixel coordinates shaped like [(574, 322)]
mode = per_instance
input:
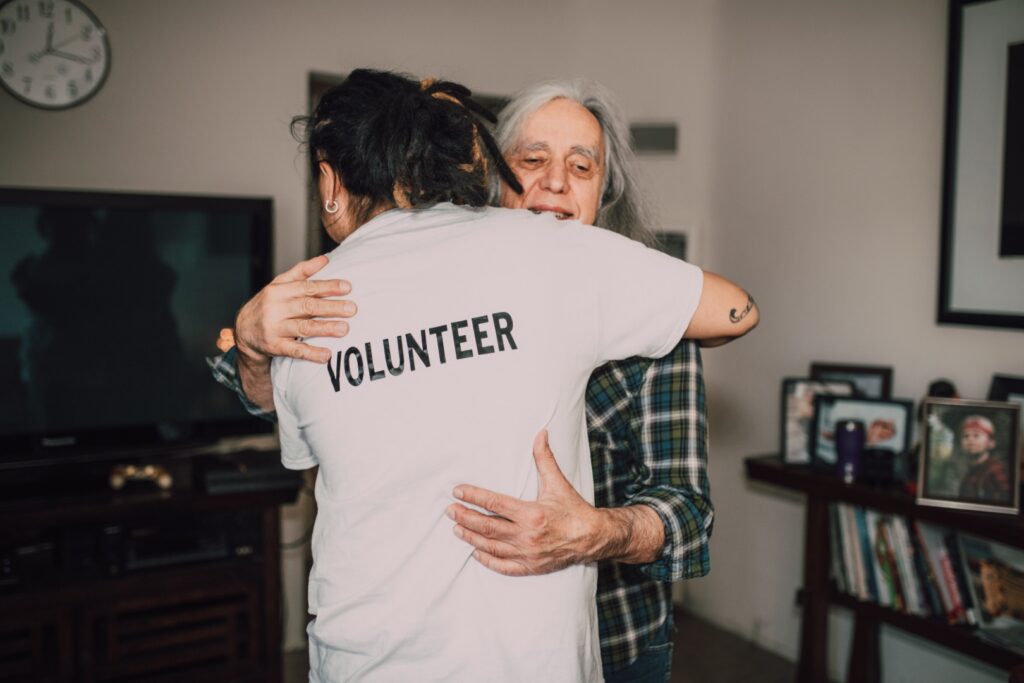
[(109, 306)]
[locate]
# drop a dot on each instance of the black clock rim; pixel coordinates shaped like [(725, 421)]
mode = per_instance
[(99, 84)]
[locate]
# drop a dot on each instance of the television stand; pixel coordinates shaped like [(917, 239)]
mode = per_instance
[(142, 584)]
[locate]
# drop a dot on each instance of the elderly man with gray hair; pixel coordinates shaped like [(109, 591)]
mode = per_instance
[(569, 145)]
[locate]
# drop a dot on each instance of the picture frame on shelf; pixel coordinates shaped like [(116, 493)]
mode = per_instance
[(1008, 388), (971, 455), (869, 381), (995, 580), (887, 424), (797, 414)]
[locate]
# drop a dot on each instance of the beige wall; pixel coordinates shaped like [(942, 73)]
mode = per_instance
[(827, 160), (810, 135)]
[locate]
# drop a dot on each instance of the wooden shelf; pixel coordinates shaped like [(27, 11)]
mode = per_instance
[(959, 638), (1007, 529), (818, 591), (110, 505)]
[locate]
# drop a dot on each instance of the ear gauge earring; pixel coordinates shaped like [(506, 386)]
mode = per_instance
[(331, 206)]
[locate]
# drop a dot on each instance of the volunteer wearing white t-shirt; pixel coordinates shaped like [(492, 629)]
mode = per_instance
[(451, 382)]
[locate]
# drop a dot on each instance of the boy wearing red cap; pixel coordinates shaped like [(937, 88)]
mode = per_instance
[(987, 479)]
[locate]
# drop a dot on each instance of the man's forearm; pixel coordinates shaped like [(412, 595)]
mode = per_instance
[(633, 534), (254, 375)]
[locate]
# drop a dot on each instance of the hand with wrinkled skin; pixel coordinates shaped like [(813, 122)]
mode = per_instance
[(291, 306), (557, 530)]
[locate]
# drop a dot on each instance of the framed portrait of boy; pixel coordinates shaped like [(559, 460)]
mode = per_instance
[(798, 394), (971, 455)]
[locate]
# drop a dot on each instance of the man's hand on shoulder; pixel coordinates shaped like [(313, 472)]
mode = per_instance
[(557, 530), (270, 323)]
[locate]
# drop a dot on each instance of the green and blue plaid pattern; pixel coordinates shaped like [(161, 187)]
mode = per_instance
[(225, 370), (648, 444)]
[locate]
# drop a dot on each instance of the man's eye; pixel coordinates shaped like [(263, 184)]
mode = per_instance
[(533, 161)]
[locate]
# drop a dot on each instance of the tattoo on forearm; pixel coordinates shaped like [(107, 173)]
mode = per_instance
[(737, 317)]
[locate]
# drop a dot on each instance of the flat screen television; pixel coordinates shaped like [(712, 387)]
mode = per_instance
[(110, 304)]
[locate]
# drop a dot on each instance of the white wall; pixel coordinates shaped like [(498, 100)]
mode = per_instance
[(827, 160)]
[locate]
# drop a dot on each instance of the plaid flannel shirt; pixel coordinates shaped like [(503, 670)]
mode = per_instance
[(648, 444)]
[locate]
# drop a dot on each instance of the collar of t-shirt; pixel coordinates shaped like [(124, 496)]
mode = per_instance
[(381, 221)]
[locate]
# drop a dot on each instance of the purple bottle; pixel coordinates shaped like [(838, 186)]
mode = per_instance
[(849, 436)]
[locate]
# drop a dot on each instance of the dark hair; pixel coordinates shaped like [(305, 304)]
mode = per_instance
[(399, 142)]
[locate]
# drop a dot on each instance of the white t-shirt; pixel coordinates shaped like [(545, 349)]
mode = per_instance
[(476, 329)]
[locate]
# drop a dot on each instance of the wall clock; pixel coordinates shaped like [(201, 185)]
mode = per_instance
[(54, 54)]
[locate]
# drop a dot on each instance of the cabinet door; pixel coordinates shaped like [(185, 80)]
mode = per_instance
[(35, 644), (179, 628)]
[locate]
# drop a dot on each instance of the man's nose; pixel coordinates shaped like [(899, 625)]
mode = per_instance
[(554, 179)]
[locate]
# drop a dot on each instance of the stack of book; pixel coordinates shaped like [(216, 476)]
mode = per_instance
[(900, 563), (929, 571)]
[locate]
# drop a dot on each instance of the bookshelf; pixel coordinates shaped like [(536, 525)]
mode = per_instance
[(818, 593)]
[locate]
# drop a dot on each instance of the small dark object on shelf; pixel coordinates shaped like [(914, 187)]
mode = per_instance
[(877, 467)]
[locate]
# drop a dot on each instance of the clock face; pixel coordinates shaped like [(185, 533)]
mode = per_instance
[(54, 54)]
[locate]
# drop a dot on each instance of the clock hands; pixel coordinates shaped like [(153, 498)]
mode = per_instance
[(71, 57), (65, 42), (53, 50)]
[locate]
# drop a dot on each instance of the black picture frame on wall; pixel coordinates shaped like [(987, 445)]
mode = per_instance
[(869, 381), (980, 272)]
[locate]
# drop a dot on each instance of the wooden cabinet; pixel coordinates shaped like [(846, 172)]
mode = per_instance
[(205, 616), (818, 592)]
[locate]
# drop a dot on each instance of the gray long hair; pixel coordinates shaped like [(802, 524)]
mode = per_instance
[(624, 209)]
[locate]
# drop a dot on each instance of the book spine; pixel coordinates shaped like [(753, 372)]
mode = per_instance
[(867, 557), (856, 561), (848, 556), (930, 594), (871, 521), (949, 576), (881, 559), (906, 567), (899, 595), (835, 541), (932, 539), (953, 545)]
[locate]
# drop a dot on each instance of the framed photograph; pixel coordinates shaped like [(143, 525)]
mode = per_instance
[(981, 272), (798, 394), (887, 424), (995, 579), (971, 456), (869, 381), (1008, 388)]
